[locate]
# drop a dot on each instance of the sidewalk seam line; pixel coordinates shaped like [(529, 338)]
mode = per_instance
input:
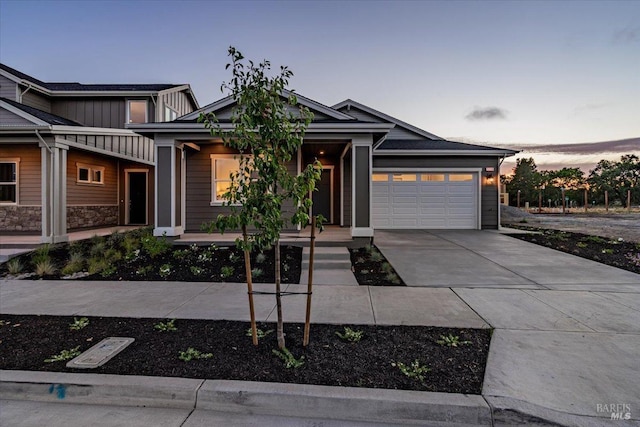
[(373, 311), (560, 311), (471, 308)]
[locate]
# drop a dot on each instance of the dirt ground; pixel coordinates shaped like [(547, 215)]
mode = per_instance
[(613, 226)]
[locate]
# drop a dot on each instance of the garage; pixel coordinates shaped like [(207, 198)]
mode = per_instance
[(425, 200)]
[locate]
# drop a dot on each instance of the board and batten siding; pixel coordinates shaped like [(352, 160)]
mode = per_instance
[(488, 194), (82, 194), (178, 101), (9, 118), (36, 100), (199, 182), (95, 112), (8, 89), (29, 181), (347, 189)]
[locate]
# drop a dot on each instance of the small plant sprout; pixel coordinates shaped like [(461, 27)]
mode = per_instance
[(195, 270), (78, 324), (414, 370), (256, 272), (15, 266), (192, 354), (167, 326), (64, 355), (376, 256), (451, 341), (289, 359), (259, 332), (260, 258), (350, 335), (165, 270)]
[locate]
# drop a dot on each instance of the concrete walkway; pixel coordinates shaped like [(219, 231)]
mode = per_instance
[(567, 330)]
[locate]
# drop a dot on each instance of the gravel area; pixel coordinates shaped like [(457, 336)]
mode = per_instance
[(613, 226)]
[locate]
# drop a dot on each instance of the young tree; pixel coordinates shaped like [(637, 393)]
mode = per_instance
[(617, 178), (266, 134), (526, 178)]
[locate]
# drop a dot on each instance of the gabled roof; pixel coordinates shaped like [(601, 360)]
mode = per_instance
[(309, 103), (348, 103), (34, 115), (74, 88), (437, 147)]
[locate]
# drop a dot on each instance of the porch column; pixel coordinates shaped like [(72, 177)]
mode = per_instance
[(169, 189), (53, 175), (361, 165)]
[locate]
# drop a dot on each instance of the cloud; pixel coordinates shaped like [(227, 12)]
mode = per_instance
[(627, 35), (488, 113)]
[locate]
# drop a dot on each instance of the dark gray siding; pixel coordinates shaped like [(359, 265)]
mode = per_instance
[(164, 184), (8, 88), (36, 100), (8, 118), (96, 112), (362, 186), (489, 193), (347, 190), (198, 184)]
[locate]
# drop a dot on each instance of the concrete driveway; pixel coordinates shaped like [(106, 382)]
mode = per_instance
[(486, 259)]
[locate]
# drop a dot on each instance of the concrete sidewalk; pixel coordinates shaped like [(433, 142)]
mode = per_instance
[(567, 330)]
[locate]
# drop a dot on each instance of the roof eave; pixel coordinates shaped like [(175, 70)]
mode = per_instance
[(491, 153), (172, 127)]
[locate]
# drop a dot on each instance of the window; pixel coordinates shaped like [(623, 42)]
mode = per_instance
[(222, 166), (137, 111), (88, 174), (169, 114), (380, 177), (8, 181), (404, 177), (432, 177), (460, 177)]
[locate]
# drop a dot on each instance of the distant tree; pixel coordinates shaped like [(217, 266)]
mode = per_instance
[(616, 177), (525, 178)]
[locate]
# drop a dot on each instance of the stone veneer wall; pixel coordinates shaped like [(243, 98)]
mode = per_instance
[(20, 218), (91, 216)]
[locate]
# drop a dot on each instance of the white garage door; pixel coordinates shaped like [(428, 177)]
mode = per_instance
[(425, 200)]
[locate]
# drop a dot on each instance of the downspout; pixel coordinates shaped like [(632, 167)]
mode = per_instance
[(50, 207), (344, 153)]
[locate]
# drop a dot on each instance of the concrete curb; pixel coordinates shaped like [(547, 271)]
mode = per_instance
[(254, 398)]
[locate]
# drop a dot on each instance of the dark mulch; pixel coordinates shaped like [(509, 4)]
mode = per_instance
[(26, 341), (372, 268), (621, 254)]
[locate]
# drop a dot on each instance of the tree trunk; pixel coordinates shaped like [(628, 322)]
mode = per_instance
[(247, 269), (280, 328)]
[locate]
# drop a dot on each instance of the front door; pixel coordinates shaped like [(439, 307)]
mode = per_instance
[(322, 196), (137, 202)]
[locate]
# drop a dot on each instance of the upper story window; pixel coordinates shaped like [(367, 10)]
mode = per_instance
[(8, 181), (137, 111), (88, 174), (169, 114)]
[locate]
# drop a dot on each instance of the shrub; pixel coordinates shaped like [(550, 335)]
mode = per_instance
[(78, 324), (376, 256), (226, 271), (130, 244), (41, 254), (165, 270), (155, 246), (192, 353), (168, 326), (74, 265), (115, 239), (256, 272), (195, 270), (45, 267), (260, 258), (97, 248), (15, 266), (97, 264), (113, 254), (392, 278)]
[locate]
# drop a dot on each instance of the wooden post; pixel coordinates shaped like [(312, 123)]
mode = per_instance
[(606, 200), (540, 200), (563, 201), (586, 199), (518, 199), (628, 200), (247, 267), (312, 245)]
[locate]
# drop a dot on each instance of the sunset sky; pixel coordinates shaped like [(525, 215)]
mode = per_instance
[(482, 72)]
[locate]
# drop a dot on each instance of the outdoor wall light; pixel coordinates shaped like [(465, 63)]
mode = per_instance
[(321, 153), (490, 178)]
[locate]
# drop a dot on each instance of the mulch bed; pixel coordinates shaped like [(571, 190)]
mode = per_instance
[(26, 341), (616, 253), (371, 268)]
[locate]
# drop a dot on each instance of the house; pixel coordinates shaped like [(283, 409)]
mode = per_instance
[(378, 172), (66, 160)]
